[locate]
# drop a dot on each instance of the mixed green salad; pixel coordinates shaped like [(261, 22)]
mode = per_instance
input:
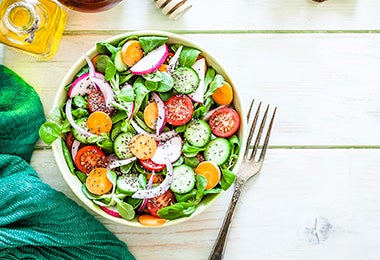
[(149, 128)]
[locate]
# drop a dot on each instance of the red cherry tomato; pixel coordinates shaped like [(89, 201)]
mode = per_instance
[(97, 102), (179, 110), (90, 157), (155, 204), (224, 122), (152, 166)]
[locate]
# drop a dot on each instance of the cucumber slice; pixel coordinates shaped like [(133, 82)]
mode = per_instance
[(198, 133), (82, 123), (218, 151), (121, 146), (183, 179), (128, 184), (186, 80), (119, 64)]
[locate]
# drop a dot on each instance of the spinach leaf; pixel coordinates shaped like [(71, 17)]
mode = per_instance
[(110, 70), (141, 93), (125, 210), (228, 178), (210, 75), (216, 83), (149, 43), (201, 184), (166, 83), (191, 151), (107, 48), (177, 210), (188, 56), (101, 63), (49, 132), (131, 37)]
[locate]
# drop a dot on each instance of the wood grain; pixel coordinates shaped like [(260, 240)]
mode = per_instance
[(275, 218), (325, 85)]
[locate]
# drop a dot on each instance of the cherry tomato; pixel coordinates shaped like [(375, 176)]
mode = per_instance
[(90, 157), (97, 102), (224, 122), (155, 204), (152, 166), (179, 110)]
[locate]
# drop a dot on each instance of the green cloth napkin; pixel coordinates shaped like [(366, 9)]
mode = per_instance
[(36, 221)]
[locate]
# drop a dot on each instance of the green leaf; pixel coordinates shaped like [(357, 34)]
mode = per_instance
[(149, 43), (125, 210), (210, 75), (228, 178), (126, 94), (101, 63), (201, 187), (80, 101), (155, 76), (110, 70), (166, 83), (188, 56), (191, 151), (49, 132), (177, 210), (216, 83), (141, 93)]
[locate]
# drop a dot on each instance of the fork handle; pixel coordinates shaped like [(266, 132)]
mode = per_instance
[(219, 246)]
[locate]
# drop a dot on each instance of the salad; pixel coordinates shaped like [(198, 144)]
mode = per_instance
[(149, 128)]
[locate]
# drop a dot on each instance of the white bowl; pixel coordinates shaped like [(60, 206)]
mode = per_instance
[(61, 96)]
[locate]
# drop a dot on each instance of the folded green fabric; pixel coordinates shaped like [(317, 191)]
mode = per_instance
[(36, 221)]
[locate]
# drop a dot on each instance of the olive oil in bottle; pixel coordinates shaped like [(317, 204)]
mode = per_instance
[(34, 26)]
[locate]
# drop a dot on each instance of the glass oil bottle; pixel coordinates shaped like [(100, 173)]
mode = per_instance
[(34, 26)]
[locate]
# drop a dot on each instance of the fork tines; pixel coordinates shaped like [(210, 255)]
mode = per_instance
[(259, 133)]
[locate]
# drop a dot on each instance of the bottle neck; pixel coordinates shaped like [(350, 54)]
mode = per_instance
[(21, 18)]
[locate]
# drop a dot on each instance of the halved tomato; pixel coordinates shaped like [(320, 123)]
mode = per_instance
[(155, 204), (179, 110), (90, 157), (97, 102), (224, 122), (152, 166), (69, 140)]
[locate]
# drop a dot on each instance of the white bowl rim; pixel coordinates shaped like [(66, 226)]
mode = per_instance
[(72, 180)]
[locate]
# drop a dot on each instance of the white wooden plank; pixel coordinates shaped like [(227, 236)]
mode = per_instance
[(277, 212), (325, 85), (237, 15)]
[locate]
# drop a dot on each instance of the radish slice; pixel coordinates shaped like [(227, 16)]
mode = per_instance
[(170, 150), (209, 113), (198, 94), (160, 189), (81, 86), (110, 211), (72, 122), (148, 187), (151, 62), (118, 163), (161, 112), (174, 59), (162, 137), (75, 148)]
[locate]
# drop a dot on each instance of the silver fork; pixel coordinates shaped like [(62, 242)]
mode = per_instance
[(251, 166)]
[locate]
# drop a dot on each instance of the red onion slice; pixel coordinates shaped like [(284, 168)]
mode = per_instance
[(118, 163), (71, 120), (162, 137), (161, 113), (160, 189), (148, 187), (75, 148)]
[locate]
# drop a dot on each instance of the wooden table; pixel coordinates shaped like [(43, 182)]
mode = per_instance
[(318, 195)]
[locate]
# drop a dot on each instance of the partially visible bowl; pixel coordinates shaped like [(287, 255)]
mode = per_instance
[(72, 180)]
